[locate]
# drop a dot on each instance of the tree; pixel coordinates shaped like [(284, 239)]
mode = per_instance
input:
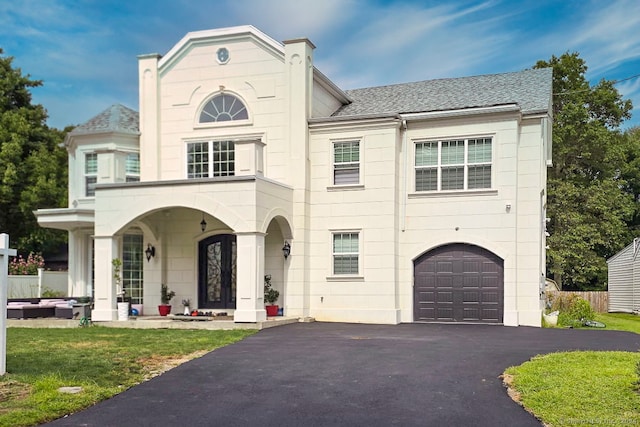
[(33, 166), (589, 208), (630, 173)]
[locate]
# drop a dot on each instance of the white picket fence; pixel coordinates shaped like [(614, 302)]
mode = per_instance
[(21, 286)]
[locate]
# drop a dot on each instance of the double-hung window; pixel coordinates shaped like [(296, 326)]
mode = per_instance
[(210, 159), (346, 248), (90, 174), (346, 162), (457, 164), (132, 167)]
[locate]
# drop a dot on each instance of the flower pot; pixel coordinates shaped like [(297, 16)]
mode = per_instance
[(123, 311), (272, 310), (164, 309), (137, 307)]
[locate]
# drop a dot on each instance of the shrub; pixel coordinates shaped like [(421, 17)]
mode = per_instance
[(573, 309), (29, 266), (50, 293)]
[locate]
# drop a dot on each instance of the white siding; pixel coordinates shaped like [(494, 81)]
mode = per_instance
[(622, 276)]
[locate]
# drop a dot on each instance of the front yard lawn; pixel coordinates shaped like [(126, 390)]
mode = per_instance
[(103, 361), (579, 388), (620, 321), (582, 388)]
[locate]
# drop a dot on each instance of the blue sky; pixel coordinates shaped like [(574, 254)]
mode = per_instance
[(85, 50)]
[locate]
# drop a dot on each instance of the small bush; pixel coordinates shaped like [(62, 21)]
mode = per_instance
[(573, 309), (50, 293)]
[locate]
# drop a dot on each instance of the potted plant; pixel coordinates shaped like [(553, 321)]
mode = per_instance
[(186, 303), (122, 303), (165, 298), (270, 297)]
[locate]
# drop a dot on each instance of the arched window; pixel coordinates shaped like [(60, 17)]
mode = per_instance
[(223, 108)]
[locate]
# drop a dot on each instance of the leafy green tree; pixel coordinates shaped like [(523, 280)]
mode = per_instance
[(587, 202), (33, 166), (630, 173)]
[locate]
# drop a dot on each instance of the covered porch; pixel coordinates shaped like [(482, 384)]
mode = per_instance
[(213, 241)]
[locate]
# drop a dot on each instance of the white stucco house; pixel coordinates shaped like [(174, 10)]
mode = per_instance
[(413, 202)]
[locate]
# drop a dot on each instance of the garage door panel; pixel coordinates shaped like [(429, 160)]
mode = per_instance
[(474, 266), (444, 297), (444, 313), (463, 283), (471, 297), (444, 267), (491, 297), (472, 281), (427, 312), (470, 314), (444, 282)]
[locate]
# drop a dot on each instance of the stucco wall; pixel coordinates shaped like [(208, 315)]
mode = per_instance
[(397, 225)]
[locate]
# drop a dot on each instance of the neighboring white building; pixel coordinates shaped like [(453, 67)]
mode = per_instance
[(413, 202), (624, 279)]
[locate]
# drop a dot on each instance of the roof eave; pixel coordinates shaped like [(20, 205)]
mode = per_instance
[(330, 86), (471, 111)]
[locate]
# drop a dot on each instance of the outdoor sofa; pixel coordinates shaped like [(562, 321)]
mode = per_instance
[(31, 308)]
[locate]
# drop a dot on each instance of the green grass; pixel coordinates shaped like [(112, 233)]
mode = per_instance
[(103, 361), (582, 388), (579, 388), (620, 321)]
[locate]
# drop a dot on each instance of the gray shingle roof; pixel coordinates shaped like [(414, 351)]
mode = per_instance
[(116, 118), (529, 89)]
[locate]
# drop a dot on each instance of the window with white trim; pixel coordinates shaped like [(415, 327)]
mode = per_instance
[(90, 174), (346, 162), (132, 267), (132, 167), (346, 248), (458, 164), (210, 159)]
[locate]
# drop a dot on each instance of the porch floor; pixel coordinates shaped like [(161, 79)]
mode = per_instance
[(157, 322)]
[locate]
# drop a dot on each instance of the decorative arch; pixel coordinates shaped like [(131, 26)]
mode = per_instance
[(223, 107), (282, 218), (432, 244), (146, 204)]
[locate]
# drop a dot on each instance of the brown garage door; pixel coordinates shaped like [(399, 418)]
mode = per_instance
[(458, 283)]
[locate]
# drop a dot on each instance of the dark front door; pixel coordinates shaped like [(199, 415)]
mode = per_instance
[(217, 272), (458, 283)]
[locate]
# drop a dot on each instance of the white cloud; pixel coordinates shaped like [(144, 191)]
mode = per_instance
[(285, 19), (604, 33), (399, 43)]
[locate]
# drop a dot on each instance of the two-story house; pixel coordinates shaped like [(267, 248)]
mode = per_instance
[(413, 202)]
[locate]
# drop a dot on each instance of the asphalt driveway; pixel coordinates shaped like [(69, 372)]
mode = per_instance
[(326, 374)]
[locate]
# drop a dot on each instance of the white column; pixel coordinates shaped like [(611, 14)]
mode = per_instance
[(5, 253), (250, 278), (106, 249)]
